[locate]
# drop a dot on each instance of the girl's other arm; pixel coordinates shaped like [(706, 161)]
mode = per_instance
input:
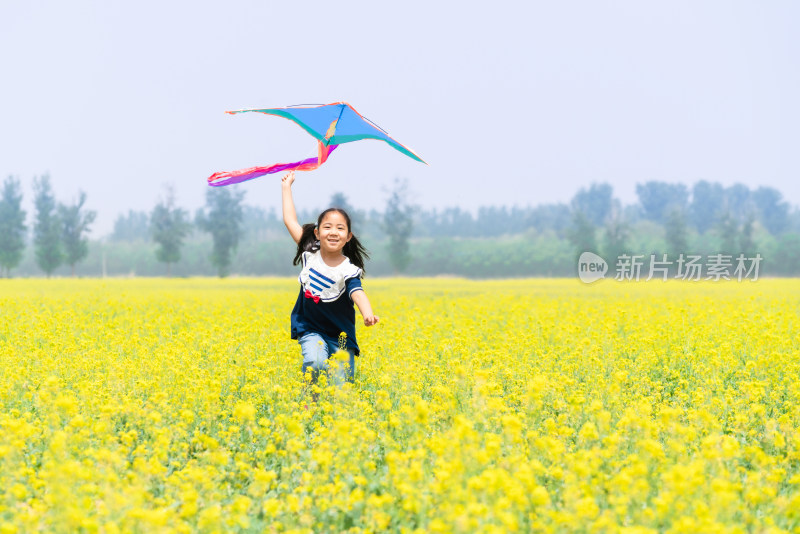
[(289, 213), (361, 300)]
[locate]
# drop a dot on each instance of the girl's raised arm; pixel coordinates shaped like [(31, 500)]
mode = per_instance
[(289, 213)]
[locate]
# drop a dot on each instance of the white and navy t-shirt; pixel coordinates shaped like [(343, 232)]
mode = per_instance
[(325, 305)]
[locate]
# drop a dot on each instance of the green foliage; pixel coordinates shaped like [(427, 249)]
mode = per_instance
[(449, 222), (131, 226), (490, 242), (169, 226), (737, 201), (658, 198), (398, 223), (518, 256), (747, 242), (12, 226), (75, 223), (582, 234), (773, 211), (223, 221), (524, 255), (47, 228), (786, 260), (677, 234), (615, 237), (490, 221), (555, 217), (735, 237), (595, 203), (707, 203), (728, 232)]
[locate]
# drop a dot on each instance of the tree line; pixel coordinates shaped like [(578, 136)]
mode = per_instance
[(716, 219), (541, 240), (59, 230)]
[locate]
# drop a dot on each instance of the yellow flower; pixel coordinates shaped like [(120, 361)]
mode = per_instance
[(244, 412), (131, 405)]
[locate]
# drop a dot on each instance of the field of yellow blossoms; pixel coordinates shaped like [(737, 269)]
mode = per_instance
[(478, 406)]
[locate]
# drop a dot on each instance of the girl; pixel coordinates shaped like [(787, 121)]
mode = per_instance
[(330, 282)]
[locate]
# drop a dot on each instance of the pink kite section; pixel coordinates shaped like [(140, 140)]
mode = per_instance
[(234, 177)]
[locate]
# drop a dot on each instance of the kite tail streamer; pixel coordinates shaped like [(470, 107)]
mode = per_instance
[(234, 177)]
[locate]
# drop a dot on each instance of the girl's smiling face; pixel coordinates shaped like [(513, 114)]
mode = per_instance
[(333, 232)]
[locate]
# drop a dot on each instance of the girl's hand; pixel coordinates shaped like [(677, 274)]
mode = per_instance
[(288, 179), (360, 299)]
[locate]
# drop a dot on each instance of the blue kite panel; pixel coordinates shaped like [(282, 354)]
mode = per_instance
[(316, 119)]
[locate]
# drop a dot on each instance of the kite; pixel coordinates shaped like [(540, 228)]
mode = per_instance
[(331, 125)]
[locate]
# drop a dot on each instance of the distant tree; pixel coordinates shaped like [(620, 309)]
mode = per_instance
[(169, 226), (728, 231), (581, 234), (747, 244), (459, 222), (47, 228), (495, 221), (451, 222), (615, 236), (554, 217), (490, 221), (224, 222), (515, 220), (258, 223), (12, 226), (707, 202), (398, 222), (75, 221), (426, 223), (793, 224), (737, 201), (772, 210), (339, 200), (595, 203), (658, 198), (632, 213), (787, 254), (133, 226), (676, 232)]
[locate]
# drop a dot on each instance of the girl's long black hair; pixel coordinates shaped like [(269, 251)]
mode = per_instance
[(353, 249)]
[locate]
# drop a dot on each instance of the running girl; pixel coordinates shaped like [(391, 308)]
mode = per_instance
[(330, 283)]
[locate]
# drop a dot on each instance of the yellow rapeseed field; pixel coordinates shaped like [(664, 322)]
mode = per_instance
[(478, 406)]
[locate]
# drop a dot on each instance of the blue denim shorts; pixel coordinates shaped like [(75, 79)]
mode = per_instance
[(316, 352)]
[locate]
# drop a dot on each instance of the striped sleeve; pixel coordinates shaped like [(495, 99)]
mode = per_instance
[(352, 285)]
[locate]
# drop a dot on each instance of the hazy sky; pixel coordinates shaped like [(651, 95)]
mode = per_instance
[(511, 103)]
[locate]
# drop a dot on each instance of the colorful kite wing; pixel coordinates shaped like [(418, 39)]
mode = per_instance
[(353, 127), (234, 177), (331, 125)]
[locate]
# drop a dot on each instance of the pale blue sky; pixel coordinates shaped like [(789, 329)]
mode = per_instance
[(510, 102)]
